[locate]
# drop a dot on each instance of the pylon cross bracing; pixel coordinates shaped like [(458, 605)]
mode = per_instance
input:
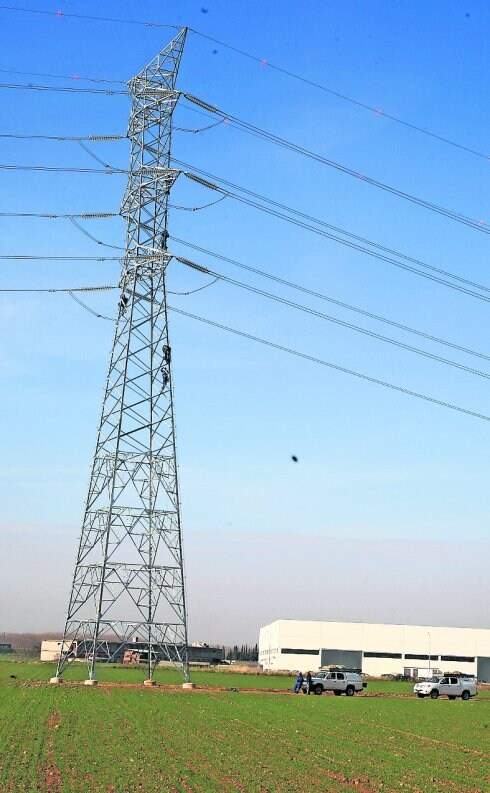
[(128, 585)]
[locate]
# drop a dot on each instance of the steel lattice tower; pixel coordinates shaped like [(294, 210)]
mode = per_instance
[(128, 585)]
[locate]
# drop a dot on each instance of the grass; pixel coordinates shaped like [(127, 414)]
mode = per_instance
[(126, 739)]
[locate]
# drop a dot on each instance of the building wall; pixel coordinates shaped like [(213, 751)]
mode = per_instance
[(295, 644), (51, 649)]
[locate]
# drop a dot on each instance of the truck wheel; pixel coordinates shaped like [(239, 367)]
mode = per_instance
[(337, 693), (349, 691), (318, 689), (434, 693), (421, 696), (465, 695), (451, 696)]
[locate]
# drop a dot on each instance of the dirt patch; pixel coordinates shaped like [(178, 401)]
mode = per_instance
[(52, 774), (360, 784)]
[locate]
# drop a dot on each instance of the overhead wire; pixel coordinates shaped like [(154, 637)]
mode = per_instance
[(55, 215), (332, 300), (102, 288), (63, 89), (41, 257), (92, 18), (334, 320), (61, 169), (196, 209), (291, 146), (94, 156), (193, 291), (62, 76), (338, 368), (76, 139), (282, 348), (88, 308), (201, 129), (347, 242), (94, 239), (263, 63), (376, 110)]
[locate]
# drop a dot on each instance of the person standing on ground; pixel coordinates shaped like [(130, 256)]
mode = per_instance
[(308, 683), (299, 683)]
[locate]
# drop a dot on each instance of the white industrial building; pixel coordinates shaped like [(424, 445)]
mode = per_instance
[(376, 649)]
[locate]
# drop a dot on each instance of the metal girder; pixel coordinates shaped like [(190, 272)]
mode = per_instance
[(129, 578)]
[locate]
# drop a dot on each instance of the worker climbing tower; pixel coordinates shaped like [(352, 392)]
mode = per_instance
[(128, 584)]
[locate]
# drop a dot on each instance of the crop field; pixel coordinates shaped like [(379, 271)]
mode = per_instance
[(120, 737)]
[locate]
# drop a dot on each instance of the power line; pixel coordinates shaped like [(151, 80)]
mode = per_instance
[(336, 321), (103, 288), (61, 169), (263, 62), (344, 97), (329, 299), (27, 257), (274, 345), (252, 129), (92, 18), (61, 76), (88, 308), (77, 139), (338, 368), (52, 216), (291, 146), (94, 239), (62, 89), (347, 242)]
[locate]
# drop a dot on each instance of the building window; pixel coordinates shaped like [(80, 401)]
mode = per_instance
[(297, 651), (420, 657), (466, 658), (382, 655)]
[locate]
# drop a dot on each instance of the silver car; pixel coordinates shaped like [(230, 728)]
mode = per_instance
[(338, 681)]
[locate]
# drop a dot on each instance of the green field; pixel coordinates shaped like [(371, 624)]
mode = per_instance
[(120, 738)]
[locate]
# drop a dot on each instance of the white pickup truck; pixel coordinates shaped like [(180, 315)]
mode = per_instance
[(451, 686), (339, 681)]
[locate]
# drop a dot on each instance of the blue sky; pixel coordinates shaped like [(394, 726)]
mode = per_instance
[(382, 479)]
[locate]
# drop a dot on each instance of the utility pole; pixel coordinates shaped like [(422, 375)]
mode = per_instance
[(128, 584)]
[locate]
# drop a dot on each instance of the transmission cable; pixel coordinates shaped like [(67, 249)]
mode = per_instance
[(307, 310), (193, 291), (329, 299), (262, 61), (63, 89), (62, 76), (196, 209), (84, 305), (338, 368), (271, 138), (94, 156), (335, 238), (54, 215), (268, 343), (92, 18), (35, 257), (77, 139), (344, 97), (61, 169), (102, 288), (202, 129), (94, 239)]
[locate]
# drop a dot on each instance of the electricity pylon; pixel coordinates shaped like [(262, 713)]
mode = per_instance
[(128, 585)]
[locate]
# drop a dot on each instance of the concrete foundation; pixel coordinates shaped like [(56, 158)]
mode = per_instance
[(55, 681), (188, 685), (90, 682), (149, 682)]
